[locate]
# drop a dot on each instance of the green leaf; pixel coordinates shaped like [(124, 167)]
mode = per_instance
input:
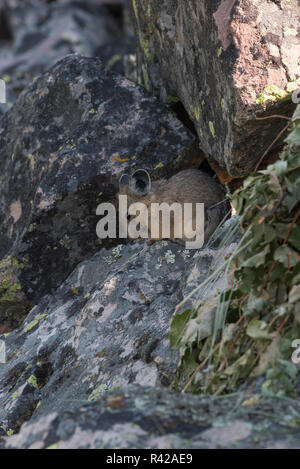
[(294, 294), (177, 329), (290, 369), (286, 256), (268, 358), (257, 330), (294, 137), (296, 114), (294, 238), (258, 259)]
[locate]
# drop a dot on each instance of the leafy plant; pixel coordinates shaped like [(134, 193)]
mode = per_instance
[(257, 317)]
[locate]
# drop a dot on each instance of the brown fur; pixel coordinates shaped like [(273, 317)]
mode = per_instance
[(188, 186)]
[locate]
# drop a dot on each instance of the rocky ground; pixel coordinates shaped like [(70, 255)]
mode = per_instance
[(86, 322)]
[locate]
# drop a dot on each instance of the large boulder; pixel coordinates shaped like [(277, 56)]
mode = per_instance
[(227, 62), (136, 417), (63, 147), (107, 325)]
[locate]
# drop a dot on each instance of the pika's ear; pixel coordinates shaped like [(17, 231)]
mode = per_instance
[(124, 180), (140, 182)]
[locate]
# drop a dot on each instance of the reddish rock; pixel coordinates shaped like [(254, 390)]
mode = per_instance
[(227, 62)]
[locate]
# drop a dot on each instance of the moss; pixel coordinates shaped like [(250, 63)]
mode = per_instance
[(172, 99), (134, 5), (34, 323), (212, 128), (10, 432), (113, 60), (98, 392), (32, 227), (145, 36), (146, 78), (195, 112), (15, 395), (54, 446), (273, 93), (8, 290), (17, 265), (159, 165), (32, 380), (13, 304), (145, 44)]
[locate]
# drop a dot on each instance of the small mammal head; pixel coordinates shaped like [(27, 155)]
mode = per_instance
[(137, 185), (188, 186)]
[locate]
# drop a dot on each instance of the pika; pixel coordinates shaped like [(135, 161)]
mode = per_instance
[(189, 186)]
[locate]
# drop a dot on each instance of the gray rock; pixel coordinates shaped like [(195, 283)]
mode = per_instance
[(137, 417), (107, 325), (219, 58), (43, 33), (63, 147)]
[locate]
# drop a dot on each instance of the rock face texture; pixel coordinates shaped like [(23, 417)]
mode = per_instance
[(38, 34), (63, 147), (90, 365), (107, 325), (227, 61), (143, 417)]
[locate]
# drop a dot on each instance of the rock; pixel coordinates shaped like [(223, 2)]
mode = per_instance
[(227, 62), (63, 147), (136, 417), (24, 3), (116, 54), (43, 33), (107, 325), (106, 328)]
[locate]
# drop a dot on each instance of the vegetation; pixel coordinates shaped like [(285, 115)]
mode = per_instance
[(255, 319)]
